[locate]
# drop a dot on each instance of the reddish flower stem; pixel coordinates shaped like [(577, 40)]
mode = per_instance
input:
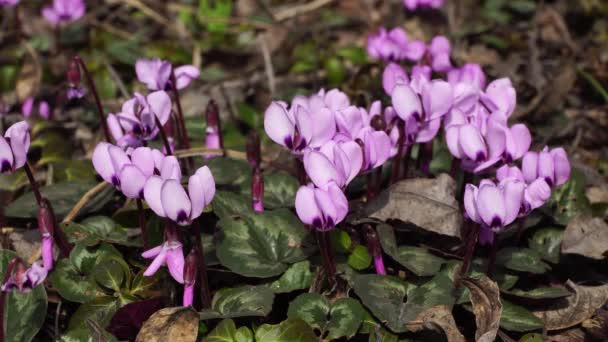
[(327, 256), (202, 271), (181, 124), (100, 112), (33, 184), (163, 136), (472, 238), (142, 223)]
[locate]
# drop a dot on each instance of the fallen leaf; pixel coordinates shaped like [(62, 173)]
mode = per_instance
[(597, 326), (485, 297), (570, 311), (587, 236), (170, 324), (30, 76), (427, 203), (438, 318)]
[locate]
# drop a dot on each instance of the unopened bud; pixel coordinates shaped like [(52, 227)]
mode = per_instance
[(257, 190), (74, 74), (46, 218), (253, 150), (371, 237), (378, 123), (191, 267)]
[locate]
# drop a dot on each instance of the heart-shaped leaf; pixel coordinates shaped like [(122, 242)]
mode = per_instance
[(570, 198), (297, 277), (96, 229), (63, 196), (226, 204), (226, 331), (518, 318), (418, 260), (359, 258), (547, 242), (241, 301), (340, 319), (24, 313), (279, 189), (101, 309), (290, 330), (262, 244), (540, 293), (227, 171), (522, 260)]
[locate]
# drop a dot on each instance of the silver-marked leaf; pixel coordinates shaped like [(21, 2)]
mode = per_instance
[(241, 301)]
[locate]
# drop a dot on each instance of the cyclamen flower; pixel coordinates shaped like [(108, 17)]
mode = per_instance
[(412, 5), (137, 117), (170, 253), (469, 73), (129, 173), (64, 11), (553, 166), (393, 73), (440, 50), (25, 279), (394, 45), (156, 74), (167, 197), (375, 146), (500, 99), (536, 193), (8, 3), (321, 209), (336, 163), (296, 128), (494, 206), (27, 107), (14, 146)]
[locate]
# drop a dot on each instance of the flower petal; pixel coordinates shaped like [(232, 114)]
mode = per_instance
[(186, 74), (406, 102), (472, 143), (321, 170), (158, 261), (491, 206), (561, 165), (470, 202), (277, 124), (529, 166), (176, 202), (152, 194), (132, 181), (201, 188), (101, 162), (143, 158), (513, 194), (170, 168), (306, 206), (160, 104), (175, 263)]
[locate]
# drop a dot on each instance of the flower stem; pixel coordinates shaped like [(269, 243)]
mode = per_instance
[(454, 168), (326, 254), (62, 240), (202, 271), (100, 112), (395, 172), (7, 275), (181, 124), (163, 136), (142, 223), (425, 156), (300, 172), (492, 257), (33, 184), (373, 245), (470, 249)]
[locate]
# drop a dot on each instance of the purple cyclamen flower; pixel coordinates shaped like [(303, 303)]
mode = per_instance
[(25, 279), (394, 45), (336, 163), (167, 197), (123, 139), (170, 253), (64, 11), (469, 73), (412, 5), (138, 115), (375, 147), (500, 98), (296, 128), (494, 206), (44, 110), (321, 209), (156, 74), (553, 166), (8, 3), (440, 50), (393, 74), (14, 146), (27, 106), (537, 191), (213, 133), (75, 89)]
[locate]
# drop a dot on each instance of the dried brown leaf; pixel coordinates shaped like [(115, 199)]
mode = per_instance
[(570, 311), (438, 318), (485, 297), (587, 236), (428, 203), (170, 324), (29, 77)]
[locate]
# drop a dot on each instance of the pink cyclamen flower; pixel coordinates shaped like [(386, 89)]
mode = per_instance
[(8, 3), (440, 50), (170, 253), (393, 74), (138, 116), (123, 139), (296, 128), (321, 209), (64, 11), (336, 163), (168, 198), (14, 146), (500, 99), (25, 279), (412, 5), (156, 74), (537, 191), (553, 166), (469, 73), (375, 147), (394, 45), (494, 206)]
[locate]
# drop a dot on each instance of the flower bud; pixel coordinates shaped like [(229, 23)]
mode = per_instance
[(373, 245), (257, 190), (191, 267), (378, 123), (46, 219), (74, 74), (253, 150)]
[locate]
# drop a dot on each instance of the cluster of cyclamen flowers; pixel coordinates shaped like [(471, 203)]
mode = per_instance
[(475, 121)]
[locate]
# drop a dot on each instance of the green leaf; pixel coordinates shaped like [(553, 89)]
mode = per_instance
[(226, 204), (227, 171), (71, 284), (63, 196), (359, 259), (225, 331), (96, 229), (74, 170), (100, 309), (540, 293), (86, 258), (336, 72), (522, 6), (11, 182), (570, 198), (518, 318), (354, 54), (241, 301), (418, 260), (346, 316), (24, 313), (106, 86), (521, 259), (531, 337), (547, 242), (385, 297), (297, 277), (110, 274), (262, 244), (340, 241), (290, 330), (312, 308)]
